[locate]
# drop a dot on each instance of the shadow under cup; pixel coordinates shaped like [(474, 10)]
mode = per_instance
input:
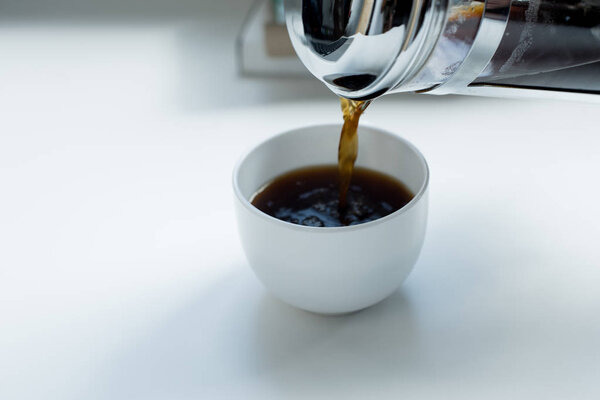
[(331, 270)]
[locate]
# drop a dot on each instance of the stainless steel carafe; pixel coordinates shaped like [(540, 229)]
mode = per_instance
[(362, 49)]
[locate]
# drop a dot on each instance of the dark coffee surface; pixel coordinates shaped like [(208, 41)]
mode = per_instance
[(310, 196)]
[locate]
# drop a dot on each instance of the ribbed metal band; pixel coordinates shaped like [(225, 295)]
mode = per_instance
[(488, 38)]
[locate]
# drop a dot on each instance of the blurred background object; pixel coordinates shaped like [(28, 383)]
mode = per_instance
[(263, 45), (141, 55)]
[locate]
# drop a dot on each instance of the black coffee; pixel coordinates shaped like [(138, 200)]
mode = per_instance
[(311, 197)]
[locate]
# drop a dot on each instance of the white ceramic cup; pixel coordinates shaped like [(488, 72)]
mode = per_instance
[(331, 270)]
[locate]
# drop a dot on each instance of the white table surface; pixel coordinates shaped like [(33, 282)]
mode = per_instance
[(122, 277)]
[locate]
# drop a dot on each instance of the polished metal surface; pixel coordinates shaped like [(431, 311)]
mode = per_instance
[(490, 33), (363, 48)]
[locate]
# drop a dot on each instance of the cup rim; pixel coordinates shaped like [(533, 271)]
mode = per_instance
[(332, 229)]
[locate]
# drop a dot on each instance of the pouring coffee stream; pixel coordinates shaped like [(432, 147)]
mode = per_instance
[(348, 147)]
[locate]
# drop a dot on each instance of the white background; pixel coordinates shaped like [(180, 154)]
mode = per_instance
[(122, 277)]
